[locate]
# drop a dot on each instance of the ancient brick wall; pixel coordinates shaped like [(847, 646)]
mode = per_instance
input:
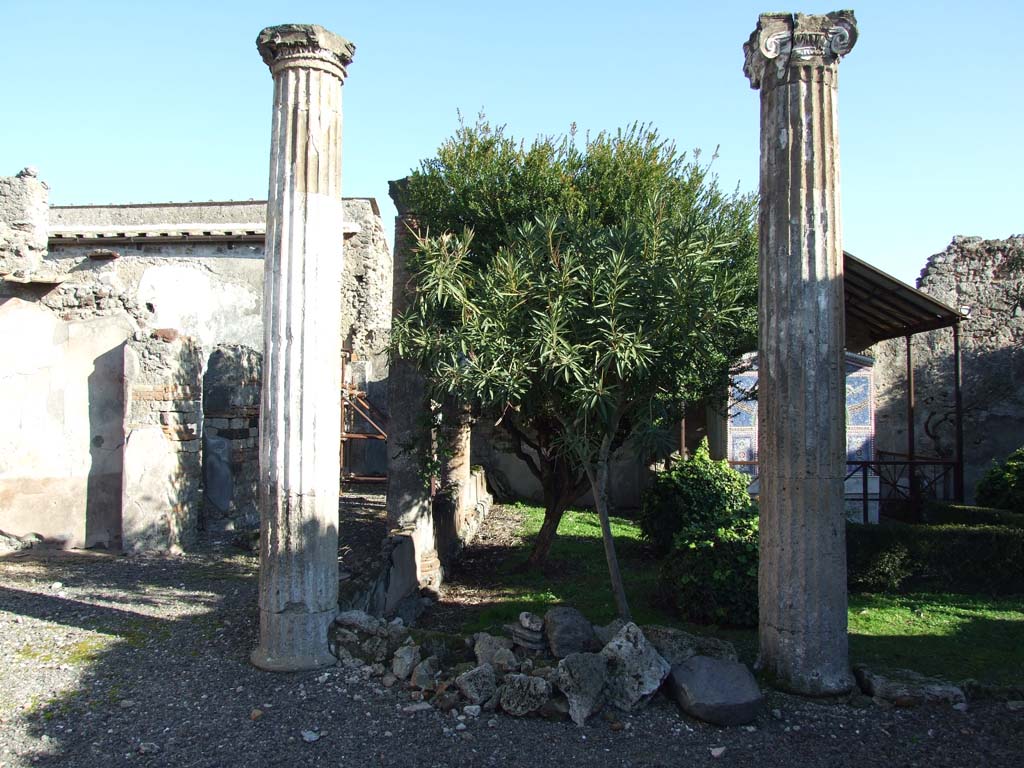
[(986, 279), (163, 427)]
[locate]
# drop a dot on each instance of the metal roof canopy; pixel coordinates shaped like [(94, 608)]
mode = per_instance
[(880, 307)]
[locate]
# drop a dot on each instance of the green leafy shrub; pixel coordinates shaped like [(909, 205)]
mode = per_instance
[(1002, 486), (972, 559), (698, 493), (876, 569), (711, 577)]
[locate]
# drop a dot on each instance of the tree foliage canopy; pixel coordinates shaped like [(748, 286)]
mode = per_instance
[(612, 278), (582, 291)]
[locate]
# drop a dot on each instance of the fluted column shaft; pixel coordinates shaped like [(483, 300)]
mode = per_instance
[(300, 406), (801, 379)]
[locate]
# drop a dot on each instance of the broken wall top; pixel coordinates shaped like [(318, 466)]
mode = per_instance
[(23, 223)]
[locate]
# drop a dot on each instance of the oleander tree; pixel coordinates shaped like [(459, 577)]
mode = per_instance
[(581, 293)]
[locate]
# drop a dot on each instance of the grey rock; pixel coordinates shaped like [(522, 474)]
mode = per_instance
[(492, 703), (419, 706), (905, 688), (375, 649), (608, 631), (676, 646), (409, 609), (346, 644), (635, 669), (718, 691), (582, 678), (447, 700), (555, 708), (471, 710), (504, 660), (310, 736), (531, 621), (405, 660), (523, 694), (548, 673), (568, 632), (478, 684), (359, 621), (528, 639), (424, 674), (485, 646), (397, 634)]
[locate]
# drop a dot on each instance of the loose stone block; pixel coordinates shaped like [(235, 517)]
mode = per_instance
[(718, 691)]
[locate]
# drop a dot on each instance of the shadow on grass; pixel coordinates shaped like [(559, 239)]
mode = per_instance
[(950, 636)]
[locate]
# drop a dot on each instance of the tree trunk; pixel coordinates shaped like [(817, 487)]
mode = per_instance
[(599, 477), (561, 487), (554, 508)]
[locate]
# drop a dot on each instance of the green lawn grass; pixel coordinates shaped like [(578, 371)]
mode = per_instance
[(951, 636)]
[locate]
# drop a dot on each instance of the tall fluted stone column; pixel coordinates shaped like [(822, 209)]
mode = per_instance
[(793, 59), (300, 405)]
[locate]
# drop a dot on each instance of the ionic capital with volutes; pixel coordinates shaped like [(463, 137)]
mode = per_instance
[(784, 42), (305, 45)]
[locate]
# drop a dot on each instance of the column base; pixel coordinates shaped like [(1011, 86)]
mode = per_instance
[(293, 641)]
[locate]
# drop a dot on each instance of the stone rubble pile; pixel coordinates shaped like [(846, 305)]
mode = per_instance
[(557, 667)]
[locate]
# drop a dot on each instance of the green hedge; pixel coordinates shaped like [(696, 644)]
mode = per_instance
[(961, 514), (713, 580), (976, 559)]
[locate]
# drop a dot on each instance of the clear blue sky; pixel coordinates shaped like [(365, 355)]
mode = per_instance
[(155, 101)]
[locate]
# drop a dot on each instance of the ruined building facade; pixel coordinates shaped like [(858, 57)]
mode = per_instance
[(983, 279), (133, 336)]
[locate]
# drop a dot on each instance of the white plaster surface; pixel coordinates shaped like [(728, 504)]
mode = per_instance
[(202, 303), (61, 441)]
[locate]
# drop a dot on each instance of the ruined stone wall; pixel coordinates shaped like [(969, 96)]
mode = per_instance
[(986, 276), (366, 326), (115, 272), (23, 223), (231, 407), (210, 291), (163, 425), (366, 289)]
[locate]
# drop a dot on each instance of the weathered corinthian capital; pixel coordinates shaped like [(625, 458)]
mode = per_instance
[(782, 40), (305, 45)]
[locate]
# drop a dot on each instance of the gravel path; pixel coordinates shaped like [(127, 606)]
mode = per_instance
[(142, 661)]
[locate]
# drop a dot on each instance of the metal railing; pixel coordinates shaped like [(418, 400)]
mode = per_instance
[(904, 484)]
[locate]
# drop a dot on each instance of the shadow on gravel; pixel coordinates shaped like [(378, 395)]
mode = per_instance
[(144, 637)]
